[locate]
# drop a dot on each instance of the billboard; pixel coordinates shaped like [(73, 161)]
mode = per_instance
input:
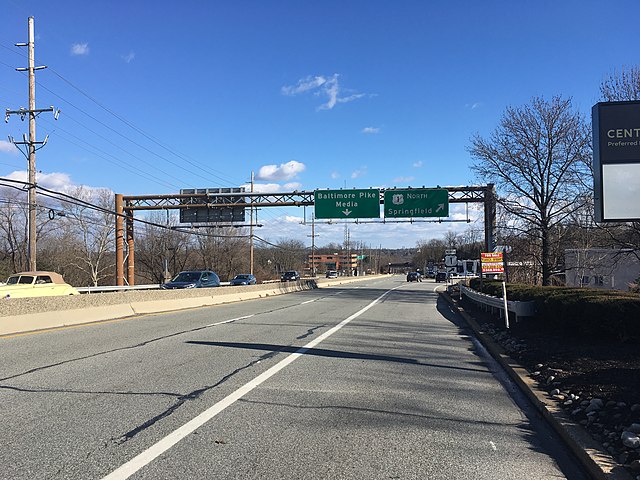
[(206, 210), (492, 262), (616, 161)]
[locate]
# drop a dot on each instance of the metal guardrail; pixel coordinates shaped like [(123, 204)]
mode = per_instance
[(520, 309)]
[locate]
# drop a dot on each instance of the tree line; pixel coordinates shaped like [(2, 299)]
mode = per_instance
[(539, 157)]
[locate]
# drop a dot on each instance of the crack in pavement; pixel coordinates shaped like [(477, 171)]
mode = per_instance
[(190, 396), (146, 342), (85, 392), (310, 332)]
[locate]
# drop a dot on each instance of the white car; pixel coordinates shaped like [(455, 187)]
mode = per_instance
[(36, 284)]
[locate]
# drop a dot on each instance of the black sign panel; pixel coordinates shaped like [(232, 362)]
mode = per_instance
[(616, 161), (203, 211)]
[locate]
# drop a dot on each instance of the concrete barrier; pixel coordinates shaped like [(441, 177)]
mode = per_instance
[(18, 315)]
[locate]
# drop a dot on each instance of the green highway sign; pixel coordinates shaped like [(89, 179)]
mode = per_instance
[(416, 202), (347, 203)]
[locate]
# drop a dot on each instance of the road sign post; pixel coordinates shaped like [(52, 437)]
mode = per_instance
[(416, 202), (347, 203)]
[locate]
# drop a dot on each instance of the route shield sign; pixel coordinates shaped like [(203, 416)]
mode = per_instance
[(416, 202), (347, 203)]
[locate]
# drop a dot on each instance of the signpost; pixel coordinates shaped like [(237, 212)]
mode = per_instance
[(493, 263), (347, 203), (416, 202)]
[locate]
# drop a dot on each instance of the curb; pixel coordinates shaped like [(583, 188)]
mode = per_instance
[(591, 454)]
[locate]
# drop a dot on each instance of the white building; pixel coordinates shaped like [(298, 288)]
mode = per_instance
[(605, 268)]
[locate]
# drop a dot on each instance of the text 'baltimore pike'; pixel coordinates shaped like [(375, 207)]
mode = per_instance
[(347, 199)]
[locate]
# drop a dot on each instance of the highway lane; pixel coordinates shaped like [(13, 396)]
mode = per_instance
[(390, 389)]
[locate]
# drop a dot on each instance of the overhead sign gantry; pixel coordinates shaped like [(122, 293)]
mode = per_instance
[(350, 204)]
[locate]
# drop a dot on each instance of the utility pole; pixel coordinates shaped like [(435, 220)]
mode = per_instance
[(251, 231), (31, 144)]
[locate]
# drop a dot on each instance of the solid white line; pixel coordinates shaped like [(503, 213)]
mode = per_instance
[(153, 452), (308, 301)]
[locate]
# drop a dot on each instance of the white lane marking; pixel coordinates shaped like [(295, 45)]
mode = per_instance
[(229, 321), (493, 445), (308, 301), (153, 452)]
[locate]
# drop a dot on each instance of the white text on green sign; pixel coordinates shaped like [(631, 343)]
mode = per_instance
[(347, 203), (416, 202)]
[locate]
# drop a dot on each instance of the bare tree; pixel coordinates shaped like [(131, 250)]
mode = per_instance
[(160, 247), (289, 255), (91, 223), (224, 250), (14, 227), (537, 157), (621, 85), (430, 252)]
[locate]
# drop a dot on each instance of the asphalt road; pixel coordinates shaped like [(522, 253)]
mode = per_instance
[(375, 380)]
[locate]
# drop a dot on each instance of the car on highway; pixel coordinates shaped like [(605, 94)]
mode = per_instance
[(441, 276), (193, 279), (36, 284), (332, 274), (243, 279), (413, 277), (290, 276)]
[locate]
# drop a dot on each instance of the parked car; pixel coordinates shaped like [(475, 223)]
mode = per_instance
[(332, 274), (414, 277), (36, 284), (243, 279), (441, 276), (290, 276), (193, 279)]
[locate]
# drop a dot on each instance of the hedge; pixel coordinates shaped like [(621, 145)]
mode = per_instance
[(584, 312)]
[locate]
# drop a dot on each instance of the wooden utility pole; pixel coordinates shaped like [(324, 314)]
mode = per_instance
[(31, 144)]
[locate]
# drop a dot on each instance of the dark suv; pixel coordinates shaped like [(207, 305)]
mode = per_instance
[(193, 279), (290, 276), (441, 276)]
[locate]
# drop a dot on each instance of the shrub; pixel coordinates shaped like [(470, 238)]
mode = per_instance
[(581, 312)]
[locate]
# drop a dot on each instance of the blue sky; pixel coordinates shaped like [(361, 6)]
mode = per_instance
[(158, 96)]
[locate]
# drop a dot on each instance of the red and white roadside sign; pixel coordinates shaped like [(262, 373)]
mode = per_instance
[(492, 262)]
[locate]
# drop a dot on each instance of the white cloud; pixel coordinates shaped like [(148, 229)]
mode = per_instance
[(80, 49), (403, 179), (360, 172), (60, 182), (371, 130), (304, 85), (417, 164), (128, 58), (286, 171), (8, 147), (322, 86), (473, 106), (273, 187), (335, 175), (293, 219), (56, 181)]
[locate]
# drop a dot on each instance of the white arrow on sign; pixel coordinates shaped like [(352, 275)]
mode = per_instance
[(440, 207), (347, 212)]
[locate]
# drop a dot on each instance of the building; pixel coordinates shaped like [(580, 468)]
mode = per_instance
[(611, 269), (341, 262)]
